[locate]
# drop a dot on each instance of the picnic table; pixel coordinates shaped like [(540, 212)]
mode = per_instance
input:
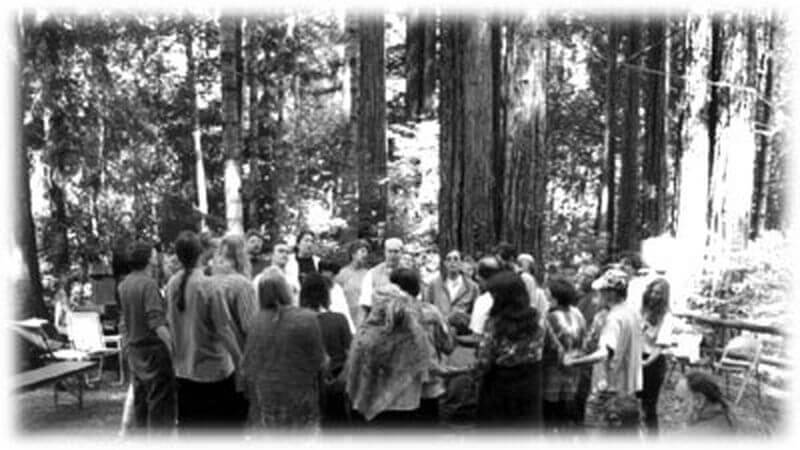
[(65, 375)]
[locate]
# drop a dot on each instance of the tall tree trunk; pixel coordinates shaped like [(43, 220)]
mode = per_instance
[(654, 164), (28, 296), (498, 150), (524, 190), (429, 63), (254, 145), (763, 125), (230, 60), (466, 217), (609, 137), (415, 66), (715, 75), (628, 230), (200, 171), (372, 190)]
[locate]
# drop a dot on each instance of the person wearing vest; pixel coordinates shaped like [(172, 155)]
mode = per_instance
[(378, 276), (453, 293), (303, 261)]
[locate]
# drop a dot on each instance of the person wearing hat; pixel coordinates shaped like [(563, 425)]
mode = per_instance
[(617, 377)]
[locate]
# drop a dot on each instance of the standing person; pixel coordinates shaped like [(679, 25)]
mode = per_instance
[(566, 332), (148, 343), (453, 293), (336, 336), (509, 357), (507, 255), (232, 276), (278, 263), (255, 245), (303, 261), (589, 306), (338, 301), (209, 244), (352, 275), (284, 357), (612, 404), (206, 349), (657, 332), (391, 356), (379, 275)]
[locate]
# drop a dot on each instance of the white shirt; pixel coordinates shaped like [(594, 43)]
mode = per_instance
[(480, 312), (339, 305), (453, 286), (293, 282), (365, 299)]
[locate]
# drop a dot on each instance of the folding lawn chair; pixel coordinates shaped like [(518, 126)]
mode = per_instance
[(741, 355), (87, 342)]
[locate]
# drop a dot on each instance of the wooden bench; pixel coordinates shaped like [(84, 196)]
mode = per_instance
[(65, 376)]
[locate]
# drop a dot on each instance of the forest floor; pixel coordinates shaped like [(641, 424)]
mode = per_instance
[(102, 409)]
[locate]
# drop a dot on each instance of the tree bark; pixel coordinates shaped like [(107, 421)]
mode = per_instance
[(715, 75), (609, 137), (415, 66), (429, 63), (466, 215), (371, 143), (200, 172), (254, 145), (654, 164), (230, 61), (628, 230), (763, 124)]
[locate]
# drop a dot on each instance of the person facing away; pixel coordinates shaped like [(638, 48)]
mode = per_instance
[(378, 276), (351, 276), (284, 358), (507, 255), (509, 357), (453, 293), (702, 408), (147, 341), (254, 247), (206, 349), (303, 261), (336, 336), (566, 330), (231, 271), (617, 376), (338, 302)]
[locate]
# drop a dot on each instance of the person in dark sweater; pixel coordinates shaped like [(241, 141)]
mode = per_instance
[(148, 341), (336, 336)]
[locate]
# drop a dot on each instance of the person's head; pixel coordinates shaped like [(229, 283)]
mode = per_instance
[(562, 291), (525, 262), (488, 266), (586, 276), (280, 253), (209, 244), (469, 267), (305, 243), (141, 255), (273, 291), (416, 253), (315, 292), (407, 279), (511, 308), (630, 262), (328, 268), (232, 254), (506, 253), (452, 263), (655, 300), (358, 250), (612, 286), (392, 251), (255, 243), (188, 250), (696, 390)]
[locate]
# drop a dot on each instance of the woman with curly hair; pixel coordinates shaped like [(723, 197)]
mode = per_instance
[(509, 357)]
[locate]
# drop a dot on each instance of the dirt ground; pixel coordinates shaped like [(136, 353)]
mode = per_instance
[(102, 410)]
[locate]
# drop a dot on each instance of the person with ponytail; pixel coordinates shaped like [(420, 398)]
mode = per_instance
[(705, 410), (284, 358), (206, 349)]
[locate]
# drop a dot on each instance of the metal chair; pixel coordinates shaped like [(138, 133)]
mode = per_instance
[(741, 355), (87, 342)]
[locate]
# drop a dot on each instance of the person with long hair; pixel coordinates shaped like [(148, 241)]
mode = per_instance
[(232, 276), (336, 336), (657, 329), (206, 349), (703, 406), (509, 357), (566, 330), (284, 357)]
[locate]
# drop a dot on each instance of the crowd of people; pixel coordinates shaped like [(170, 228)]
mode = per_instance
[(242, 340)]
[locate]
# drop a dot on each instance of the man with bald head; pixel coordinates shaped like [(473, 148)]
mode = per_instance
[(379, 275)]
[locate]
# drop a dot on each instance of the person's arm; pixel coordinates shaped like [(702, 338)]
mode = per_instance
[(223, 323), (248, 307), (155, 316), (607, 345), (365, 296), (443, 338)]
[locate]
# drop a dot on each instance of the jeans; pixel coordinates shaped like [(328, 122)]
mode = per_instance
[(653, 379), (154, 390)]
